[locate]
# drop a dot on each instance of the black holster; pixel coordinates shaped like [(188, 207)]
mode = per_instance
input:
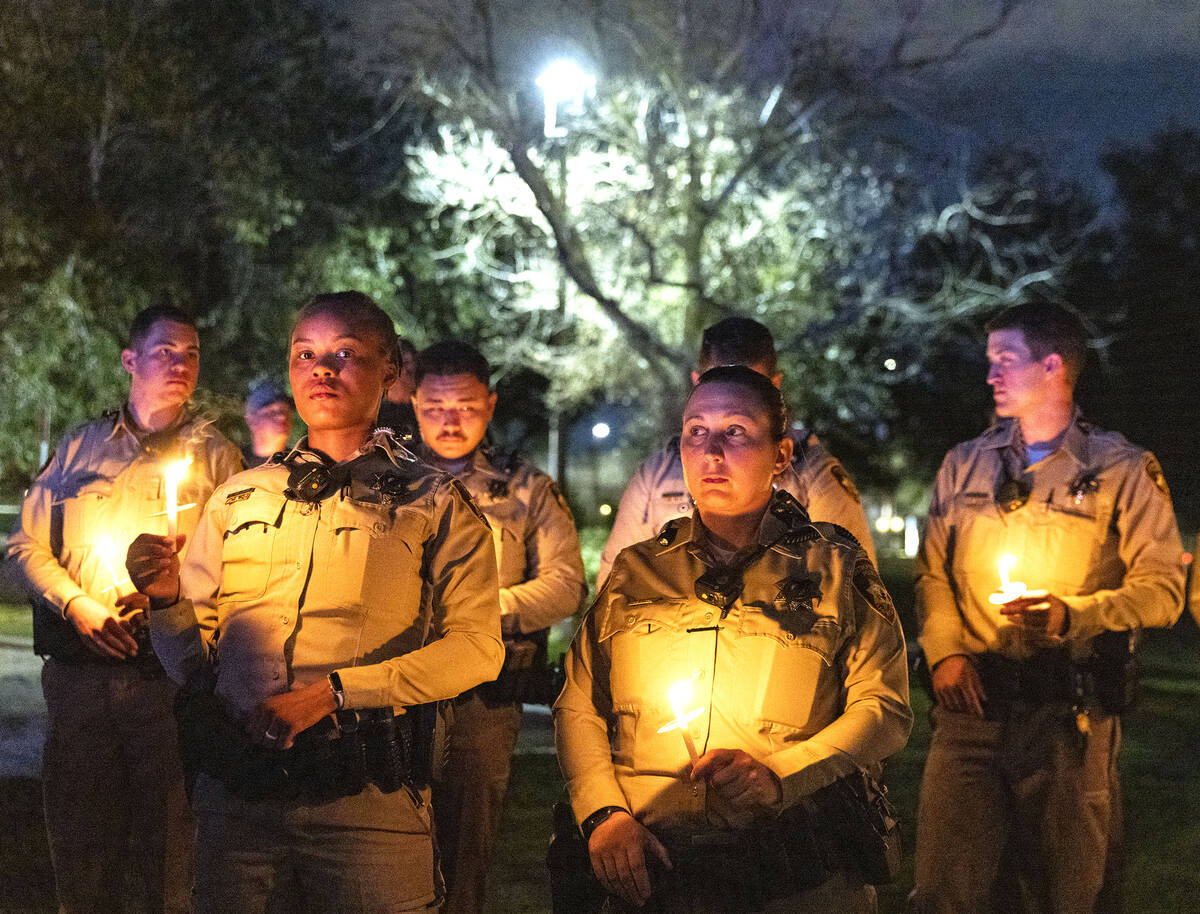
[(526, 675)]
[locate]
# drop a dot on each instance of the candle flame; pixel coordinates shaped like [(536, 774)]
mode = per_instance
[(1005, 567)]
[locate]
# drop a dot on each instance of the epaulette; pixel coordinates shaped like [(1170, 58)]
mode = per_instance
[(670, 530), (840, 535), (784, 506)]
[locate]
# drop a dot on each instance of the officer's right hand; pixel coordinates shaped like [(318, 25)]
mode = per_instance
[(957, 686), (100, 630), (153, 566), (618, 851)]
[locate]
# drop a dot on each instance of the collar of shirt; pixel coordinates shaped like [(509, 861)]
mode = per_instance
[(1007, 435)]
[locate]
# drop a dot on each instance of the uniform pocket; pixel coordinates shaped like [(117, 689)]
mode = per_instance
[(84, 520), (250, 536), (374, 556), (786, 668)]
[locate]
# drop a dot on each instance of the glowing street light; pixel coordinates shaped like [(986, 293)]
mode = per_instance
[(563, 81), (600, 431)]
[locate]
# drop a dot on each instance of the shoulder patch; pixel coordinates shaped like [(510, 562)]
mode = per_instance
[(868, 583), (844, 480), (240, 495), (1154, 471)]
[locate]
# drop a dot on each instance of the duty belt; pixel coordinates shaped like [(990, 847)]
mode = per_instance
[(1044, 678)]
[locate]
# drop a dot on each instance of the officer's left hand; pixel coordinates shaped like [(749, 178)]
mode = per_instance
[(739, 778), (1043, 616), (277, 720)]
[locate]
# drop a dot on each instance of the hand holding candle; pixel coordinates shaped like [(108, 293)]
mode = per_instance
[(678, 696)]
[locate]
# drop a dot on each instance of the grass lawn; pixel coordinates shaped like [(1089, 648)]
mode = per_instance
[(15, 621)]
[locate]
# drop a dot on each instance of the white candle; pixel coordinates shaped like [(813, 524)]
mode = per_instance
[(172, 476), (677, 696)]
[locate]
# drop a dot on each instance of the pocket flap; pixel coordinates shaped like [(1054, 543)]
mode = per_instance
[(260, 508)]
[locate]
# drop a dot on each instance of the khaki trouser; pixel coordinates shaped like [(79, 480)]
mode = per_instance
[(1014, 807), (371, 853), (468, 797), (113, 789)]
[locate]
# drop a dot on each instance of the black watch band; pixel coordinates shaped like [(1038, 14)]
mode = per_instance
[(590, 824)]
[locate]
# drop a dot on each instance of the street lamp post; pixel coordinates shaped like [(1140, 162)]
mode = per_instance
[(563, 83)]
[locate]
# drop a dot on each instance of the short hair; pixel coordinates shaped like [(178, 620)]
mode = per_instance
[(760, 386), (448, 357), (1047, 328), (737, 341), (360, 312), (404, 346), (144, 321)]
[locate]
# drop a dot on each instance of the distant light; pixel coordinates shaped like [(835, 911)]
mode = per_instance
[(896, 525), (605, 509), (882, 524), (600, 430), (912, 536), (563, 81), (889, 364)]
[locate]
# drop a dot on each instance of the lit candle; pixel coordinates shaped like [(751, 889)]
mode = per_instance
[(107, 551), (1009, 589), (172, 476), (678, 695)]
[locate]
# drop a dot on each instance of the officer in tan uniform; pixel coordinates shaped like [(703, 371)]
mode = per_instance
[(815, 477), (541, 582), (790, 665), (1020, 783), (113, 784), (326, 596)]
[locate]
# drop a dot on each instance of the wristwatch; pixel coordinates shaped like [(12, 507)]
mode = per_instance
[(592, 822), (335, 683)]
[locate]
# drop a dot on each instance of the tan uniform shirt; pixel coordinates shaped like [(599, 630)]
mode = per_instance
[(537, 547), (807, 673), (657, 493), (1098, 531), (392, 584), (101, 489)]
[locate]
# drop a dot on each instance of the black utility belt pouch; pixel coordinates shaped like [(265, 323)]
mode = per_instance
[(574, 888), (1114, 670), (526, 675), (337, 757), (857, 812)]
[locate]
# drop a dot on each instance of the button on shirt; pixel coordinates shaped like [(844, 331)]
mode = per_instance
[(104, 486), (1097, 530), (393, 585), (806, 673), (657, 493)]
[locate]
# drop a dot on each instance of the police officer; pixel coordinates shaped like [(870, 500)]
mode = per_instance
[(114, 797), (1019, 788), (789, 663), (815, 477), (329, 594), (269, 419), (541, 582)]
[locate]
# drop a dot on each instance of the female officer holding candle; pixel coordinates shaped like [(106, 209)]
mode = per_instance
[(771, 643)]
